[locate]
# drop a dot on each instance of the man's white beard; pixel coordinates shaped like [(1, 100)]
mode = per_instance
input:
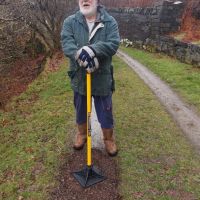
[(88, 12)]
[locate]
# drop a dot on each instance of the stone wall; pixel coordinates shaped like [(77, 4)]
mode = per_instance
[(185, 52), (134, 23), (128, 3), (196, 11), (142, 23), (147, 29)]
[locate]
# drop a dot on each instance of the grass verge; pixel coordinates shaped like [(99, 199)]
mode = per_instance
[(156, 160), (34, 135), (183, 78)]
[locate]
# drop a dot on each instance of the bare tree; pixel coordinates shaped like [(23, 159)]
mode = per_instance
[(45, 17), (12, 30), (22, 19)]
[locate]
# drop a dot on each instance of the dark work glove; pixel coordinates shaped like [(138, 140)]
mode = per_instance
[(84, 56), (92, 66)]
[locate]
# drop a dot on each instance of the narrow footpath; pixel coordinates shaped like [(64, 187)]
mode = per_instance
[(97, 135), (181, 112)]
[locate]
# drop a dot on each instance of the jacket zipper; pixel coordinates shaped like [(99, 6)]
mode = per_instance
[(100, 25)]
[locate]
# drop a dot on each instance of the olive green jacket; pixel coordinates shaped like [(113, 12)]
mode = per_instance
[(104, 39)]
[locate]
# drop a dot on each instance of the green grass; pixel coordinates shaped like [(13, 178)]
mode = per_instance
[(183, 78), (156, 161), (34, 135)]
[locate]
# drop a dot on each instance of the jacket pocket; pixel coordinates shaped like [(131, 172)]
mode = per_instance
[(71, 73), (106, 102)]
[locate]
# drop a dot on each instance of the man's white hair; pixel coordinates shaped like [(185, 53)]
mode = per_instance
[(89, 11)]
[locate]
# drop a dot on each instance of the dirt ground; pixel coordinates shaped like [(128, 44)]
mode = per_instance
[(15, 78), (69, 188)]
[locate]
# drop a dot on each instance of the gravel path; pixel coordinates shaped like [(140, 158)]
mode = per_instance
[(97, 137), (188, 121)]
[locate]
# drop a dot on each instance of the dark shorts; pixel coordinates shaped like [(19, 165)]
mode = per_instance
[(103, 106)]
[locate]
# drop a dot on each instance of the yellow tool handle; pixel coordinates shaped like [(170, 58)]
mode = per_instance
[(89, 106)]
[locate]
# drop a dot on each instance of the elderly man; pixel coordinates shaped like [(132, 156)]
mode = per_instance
[(90, 38)]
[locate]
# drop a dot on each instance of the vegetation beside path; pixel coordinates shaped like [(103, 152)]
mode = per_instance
[(183, 78), (34, 136), (155, 160)]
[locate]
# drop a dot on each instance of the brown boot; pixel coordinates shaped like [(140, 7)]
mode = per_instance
[(109, 142), (81, 136)]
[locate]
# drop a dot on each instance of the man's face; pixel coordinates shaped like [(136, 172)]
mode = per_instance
[(88, 7)]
